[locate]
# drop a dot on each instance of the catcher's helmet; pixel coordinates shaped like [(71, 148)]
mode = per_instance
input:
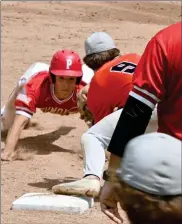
[(66, 63)]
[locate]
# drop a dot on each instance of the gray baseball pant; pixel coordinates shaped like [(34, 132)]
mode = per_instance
[(97, 138)]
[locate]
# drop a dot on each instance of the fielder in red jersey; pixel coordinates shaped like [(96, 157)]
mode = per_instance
[(157, 80), (50, 88), (112, 80), (160, 81)]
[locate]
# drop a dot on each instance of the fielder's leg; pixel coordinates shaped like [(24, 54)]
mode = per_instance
[(94, 142)]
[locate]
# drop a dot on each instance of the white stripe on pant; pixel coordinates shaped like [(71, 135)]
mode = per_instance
[(97, 138)]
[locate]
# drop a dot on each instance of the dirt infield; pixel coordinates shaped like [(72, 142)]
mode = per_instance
[(33, 31)]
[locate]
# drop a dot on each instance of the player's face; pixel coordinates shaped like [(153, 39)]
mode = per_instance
[(64, 86)]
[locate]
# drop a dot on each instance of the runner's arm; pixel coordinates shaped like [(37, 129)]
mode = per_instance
[(25, 108), (15, 132)]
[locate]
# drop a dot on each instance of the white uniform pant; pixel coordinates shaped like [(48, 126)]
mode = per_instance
[(97, 138), (8, 112)]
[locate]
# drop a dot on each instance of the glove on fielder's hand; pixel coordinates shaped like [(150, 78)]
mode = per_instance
[(85, 114)]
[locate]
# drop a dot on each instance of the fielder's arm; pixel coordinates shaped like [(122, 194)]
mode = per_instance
[(13, 137)]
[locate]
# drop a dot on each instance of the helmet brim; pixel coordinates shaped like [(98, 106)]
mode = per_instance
[(67, 73)]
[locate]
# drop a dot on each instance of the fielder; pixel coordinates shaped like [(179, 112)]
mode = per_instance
[(149, 185), (157, 80), (51, 88), (108, 89), (113, 76)]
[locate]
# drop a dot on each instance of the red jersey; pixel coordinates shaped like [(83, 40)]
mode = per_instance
[(39, 93), (160, 80), (110, 86)]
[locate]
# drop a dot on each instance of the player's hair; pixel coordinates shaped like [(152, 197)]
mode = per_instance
[(53, 77), (143, 208), (95, 61)]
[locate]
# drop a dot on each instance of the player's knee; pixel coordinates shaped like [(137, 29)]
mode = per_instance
[(85, 139)]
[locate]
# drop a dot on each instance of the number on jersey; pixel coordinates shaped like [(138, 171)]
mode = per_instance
[(124, 67)]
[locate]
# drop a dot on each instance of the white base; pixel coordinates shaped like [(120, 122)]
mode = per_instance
[(53, 202)]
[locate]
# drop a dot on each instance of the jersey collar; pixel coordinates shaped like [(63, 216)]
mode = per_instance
[(56, 99)]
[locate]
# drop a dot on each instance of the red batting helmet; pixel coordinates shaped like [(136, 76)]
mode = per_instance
[(66, 63)]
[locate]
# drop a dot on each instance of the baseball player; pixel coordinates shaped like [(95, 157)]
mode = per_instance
[(113, 75), (157, 79), (149, 185), (51, 88), (108, 89)]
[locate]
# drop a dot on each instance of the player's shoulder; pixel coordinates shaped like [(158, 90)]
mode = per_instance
[(168, 41), (40, 76), (107, 68), (40, 79), (169, 32), (168, 38), (130, 57)]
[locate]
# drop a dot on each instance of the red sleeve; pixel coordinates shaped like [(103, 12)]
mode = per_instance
[(25, 102), (148, 80)]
